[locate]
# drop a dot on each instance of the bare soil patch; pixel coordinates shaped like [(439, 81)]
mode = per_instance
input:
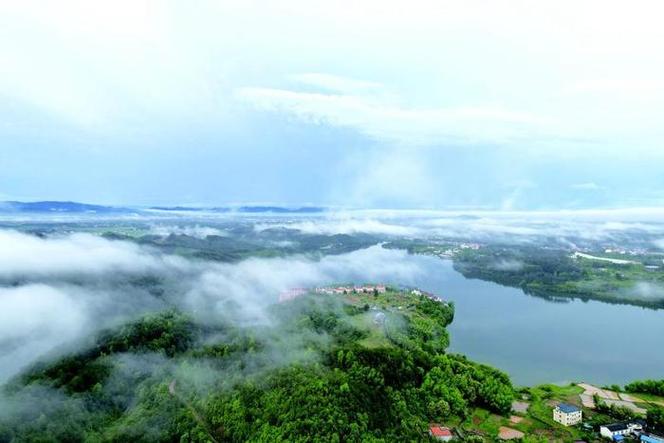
[(505, 433)]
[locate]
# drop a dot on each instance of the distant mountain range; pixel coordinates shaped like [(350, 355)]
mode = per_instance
[(59, 207), (51, 207), (245, 209)]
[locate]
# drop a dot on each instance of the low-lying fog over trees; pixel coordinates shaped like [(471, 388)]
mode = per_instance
[(113, 340), (60, 288), (170, 326)]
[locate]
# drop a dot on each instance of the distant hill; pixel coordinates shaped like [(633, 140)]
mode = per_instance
[(245, 209), (281, 210), (58, 207), (79, 208)]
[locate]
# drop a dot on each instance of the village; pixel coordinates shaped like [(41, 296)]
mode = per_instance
[(293, 293), (560, 418), (555, 413)]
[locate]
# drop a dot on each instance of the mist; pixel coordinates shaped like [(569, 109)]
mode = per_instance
[(196, 231), (58, 290), (563, 227)]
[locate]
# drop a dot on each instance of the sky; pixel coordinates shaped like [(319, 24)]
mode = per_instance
[(496, 105)]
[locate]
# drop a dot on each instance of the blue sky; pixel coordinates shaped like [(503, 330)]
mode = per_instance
[(496, 105)]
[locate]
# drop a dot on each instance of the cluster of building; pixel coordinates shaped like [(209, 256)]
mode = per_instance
[(622, 251), (633, 429), (292, 293), (428, 295), (570, 415), (367, 289), (451, 252)]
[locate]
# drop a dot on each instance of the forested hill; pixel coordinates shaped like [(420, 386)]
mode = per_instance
[(355, 367)]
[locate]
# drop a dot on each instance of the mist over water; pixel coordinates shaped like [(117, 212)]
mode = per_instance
[(184, 190), (65, 287)]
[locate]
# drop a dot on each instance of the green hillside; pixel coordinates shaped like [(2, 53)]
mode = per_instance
[(358, 367)]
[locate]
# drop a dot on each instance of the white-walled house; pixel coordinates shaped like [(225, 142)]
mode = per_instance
[(567, 415), (615, 429)]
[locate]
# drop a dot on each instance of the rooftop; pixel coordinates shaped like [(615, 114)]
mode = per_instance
[(613, 427), (438, 431), (567, 408)]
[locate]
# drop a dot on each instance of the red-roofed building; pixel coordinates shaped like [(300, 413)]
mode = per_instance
[(440, 433)]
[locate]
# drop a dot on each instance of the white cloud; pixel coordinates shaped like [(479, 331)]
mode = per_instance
[(397, 175), (647, 290), (192, 231), (396, 124), (635, 88), (28, 255), (507, 265), (587, 186), (343, 226), (34, 319), (482, 225), (75, 59), (241, 291), (154, 76), (81, 288), (337, 83)]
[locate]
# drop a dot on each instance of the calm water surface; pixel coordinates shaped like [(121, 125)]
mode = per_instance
[(538, 341)]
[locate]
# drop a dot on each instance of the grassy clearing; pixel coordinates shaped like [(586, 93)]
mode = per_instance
[(538, 421), (648, 399)]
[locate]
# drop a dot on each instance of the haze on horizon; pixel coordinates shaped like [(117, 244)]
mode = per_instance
[(425, 104)]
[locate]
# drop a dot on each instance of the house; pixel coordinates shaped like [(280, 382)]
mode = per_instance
[(617, 431), (613, 430), (567, 414), (440, 433)]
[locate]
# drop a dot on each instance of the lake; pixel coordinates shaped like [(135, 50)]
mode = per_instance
[(532, 339), (538, 341)]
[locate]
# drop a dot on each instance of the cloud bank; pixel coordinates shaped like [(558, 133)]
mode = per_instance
[(55, 291), (342, 226), (27, 255), (196, 231), (383, 120)]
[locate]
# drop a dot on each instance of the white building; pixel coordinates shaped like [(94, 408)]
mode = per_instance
[(622, 429), (567, 415)]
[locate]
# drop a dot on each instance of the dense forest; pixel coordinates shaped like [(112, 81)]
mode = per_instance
[(363, 367), (246, 242), (655, 387), (554, 273)]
